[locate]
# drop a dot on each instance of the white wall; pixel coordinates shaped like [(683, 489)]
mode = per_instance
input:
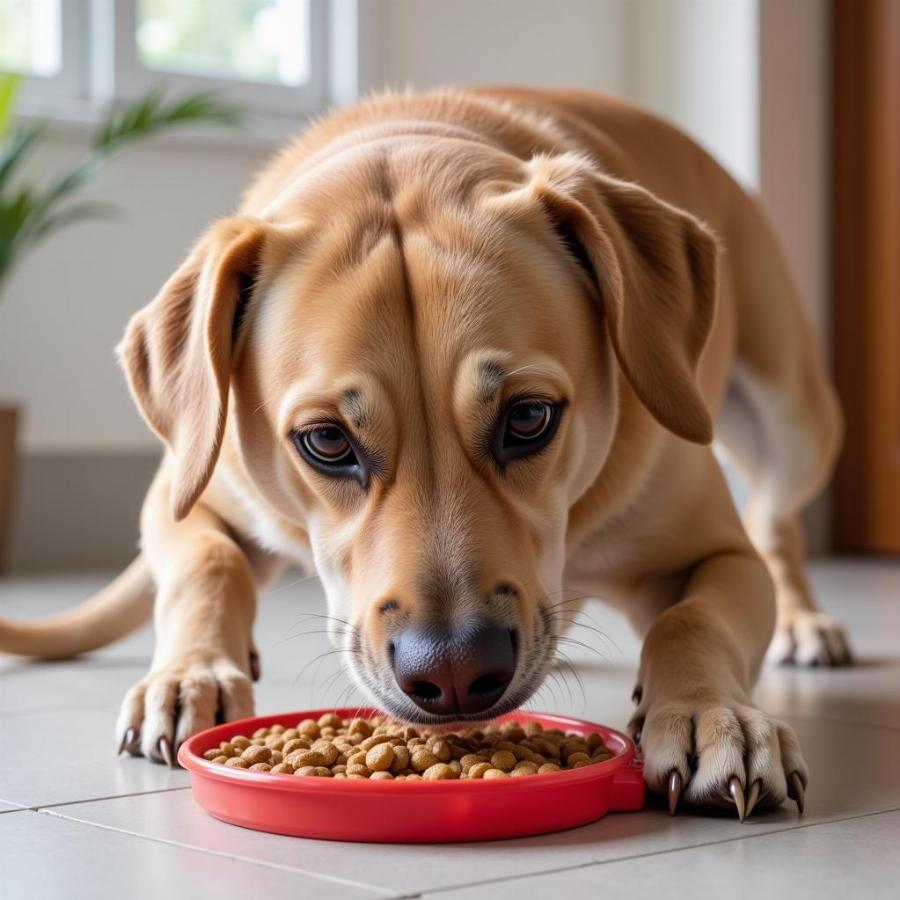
[(66, 306), (696, 61)]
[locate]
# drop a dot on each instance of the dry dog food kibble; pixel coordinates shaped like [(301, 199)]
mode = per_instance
[(382, 750)]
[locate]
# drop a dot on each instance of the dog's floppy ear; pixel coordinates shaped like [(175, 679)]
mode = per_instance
[(655, 269), (177, 351)]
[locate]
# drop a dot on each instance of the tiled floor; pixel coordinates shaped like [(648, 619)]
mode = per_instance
[(75, 821)]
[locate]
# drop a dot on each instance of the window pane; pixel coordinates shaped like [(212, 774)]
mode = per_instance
[(30, 36), (251, 40)]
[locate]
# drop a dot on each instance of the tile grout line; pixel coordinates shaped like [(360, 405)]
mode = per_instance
[(347, 882), (606, 862), (38, 807)]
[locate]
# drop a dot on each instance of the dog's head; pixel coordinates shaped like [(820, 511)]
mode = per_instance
[(423, 371)]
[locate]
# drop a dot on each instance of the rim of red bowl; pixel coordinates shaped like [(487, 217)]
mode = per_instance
[(190, 756)]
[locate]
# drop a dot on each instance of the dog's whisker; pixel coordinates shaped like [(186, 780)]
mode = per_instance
[(330, 618), (318, 659), (284, 587)]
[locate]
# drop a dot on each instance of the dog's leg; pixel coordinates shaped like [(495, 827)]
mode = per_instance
[(785, 453), (699, 731), (205, 605), (781, 423)]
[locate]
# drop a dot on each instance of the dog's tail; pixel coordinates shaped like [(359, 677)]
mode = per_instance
[(120, 608)]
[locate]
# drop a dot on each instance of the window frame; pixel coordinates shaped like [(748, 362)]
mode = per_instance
[(71, 82)]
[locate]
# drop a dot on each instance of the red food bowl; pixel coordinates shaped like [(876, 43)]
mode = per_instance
[(413, 812)]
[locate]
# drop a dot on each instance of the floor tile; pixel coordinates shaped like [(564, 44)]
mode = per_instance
[(44, 856), (68, 755), (862, 777), (799, 864)]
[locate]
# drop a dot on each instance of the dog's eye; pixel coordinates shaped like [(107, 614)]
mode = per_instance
[(327, 444), (327, 449), (527, 427), (528, 420)]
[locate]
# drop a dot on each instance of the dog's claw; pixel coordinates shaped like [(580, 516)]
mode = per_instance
[(796, 791), (255, 668), (736, 789), (676, 785), (637, 695), (752, 798), (165, 749), (127, 741)]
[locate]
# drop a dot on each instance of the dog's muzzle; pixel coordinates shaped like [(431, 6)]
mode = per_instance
[(462, 671)]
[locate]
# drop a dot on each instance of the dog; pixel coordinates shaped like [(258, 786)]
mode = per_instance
[(463, 354)]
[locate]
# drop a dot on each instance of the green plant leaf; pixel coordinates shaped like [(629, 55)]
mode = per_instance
[(14, 150), (153, 113), (10, 82)]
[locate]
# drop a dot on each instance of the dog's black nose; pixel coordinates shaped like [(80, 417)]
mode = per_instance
[(451, 673)]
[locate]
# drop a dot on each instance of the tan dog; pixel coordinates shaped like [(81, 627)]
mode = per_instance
[(461, 353)]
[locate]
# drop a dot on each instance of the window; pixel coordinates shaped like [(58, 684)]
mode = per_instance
[(42, 39), (269, 56), (32, 36), (254, 40)]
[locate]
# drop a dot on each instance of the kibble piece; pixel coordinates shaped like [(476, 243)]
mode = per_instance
[(283, 769), (372, 741), (438, 772), (478, 770), (260, 767), (360, 726), (308, 727), (469, 760), (547, 768), (329, 752), (322, 772), (240, 742), (212, 754), (276, 729), (514, 733), (423, 759), (380, 757), (401, 759), (290, 734), (503, 760), (276, 757), (330, 720), (381, 775), (494, 773), (255, 755), (579, 757), (310, 758), (236, 762), (227, 748), (357, 769), (441, 749), (221, 759)]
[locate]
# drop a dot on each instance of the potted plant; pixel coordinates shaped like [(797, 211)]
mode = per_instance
[(31, 212)]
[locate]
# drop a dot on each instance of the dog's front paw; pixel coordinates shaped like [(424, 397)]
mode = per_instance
[(807, 637), (725, 755), (171, 703)]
